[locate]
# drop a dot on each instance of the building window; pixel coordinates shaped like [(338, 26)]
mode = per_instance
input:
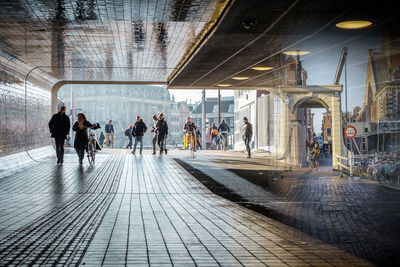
[(328, 131), (365, 130)]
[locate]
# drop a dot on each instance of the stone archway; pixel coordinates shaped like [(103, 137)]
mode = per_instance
[(295, 97)]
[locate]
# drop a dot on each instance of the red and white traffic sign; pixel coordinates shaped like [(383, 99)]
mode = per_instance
[(350, 132)]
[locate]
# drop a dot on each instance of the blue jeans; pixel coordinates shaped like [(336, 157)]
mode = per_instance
[(140, 140)]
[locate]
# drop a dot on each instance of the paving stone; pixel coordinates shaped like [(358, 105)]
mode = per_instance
[(139, 211)]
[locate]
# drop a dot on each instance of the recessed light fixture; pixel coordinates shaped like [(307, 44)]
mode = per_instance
[(240, 78), (262, 68), (353, 24), (296, 53), (223, 84)]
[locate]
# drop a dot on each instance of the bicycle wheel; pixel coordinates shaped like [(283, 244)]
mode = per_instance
[(89, 153)]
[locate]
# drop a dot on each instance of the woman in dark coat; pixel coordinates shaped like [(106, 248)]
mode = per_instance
[(81, 137)]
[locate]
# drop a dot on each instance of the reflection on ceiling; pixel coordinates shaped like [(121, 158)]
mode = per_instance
[(100, 40), (260, 39), (196, 44)]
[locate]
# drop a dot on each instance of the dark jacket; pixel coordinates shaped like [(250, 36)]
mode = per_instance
[(128, 132), (224, 127), (162, 127), (81, 136), (190, 127), (139, 128), (109, 128), (247, 130), (59, 125)]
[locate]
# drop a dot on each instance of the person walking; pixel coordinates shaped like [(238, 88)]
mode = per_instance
[(59, 126), (154, 131), (128, 133), (109, 129), (247, 134), (162, 130), (81, 136), (190, 130), (214, 134), (138, 132), (101, 139), (224, 130)]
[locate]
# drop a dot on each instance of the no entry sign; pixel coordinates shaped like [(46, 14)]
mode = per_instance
[(350, 132)]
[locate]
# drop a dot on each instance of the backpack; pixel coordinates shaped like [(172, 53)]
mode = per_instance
[(128, 132)]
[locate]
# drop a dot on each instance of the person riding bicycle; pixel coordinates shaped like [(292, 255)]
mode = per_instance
[(315, 156), (190, 129), (81, 136), (224, 130)]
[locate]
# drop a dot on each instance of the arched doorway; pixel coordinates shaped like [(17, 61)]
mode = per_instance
[(307, 129), (295, 100)]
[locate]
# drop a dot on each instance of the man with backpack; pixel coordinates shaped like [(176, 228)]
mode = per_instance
[(128, 133), (162, 130)]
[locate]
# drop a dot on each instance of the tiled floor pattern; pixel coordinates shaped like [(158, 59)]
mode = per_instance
[(140, 210)]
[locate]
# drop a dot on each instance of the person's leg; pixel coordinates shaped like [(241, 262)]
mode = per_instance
[(134, 146), (130, 142), (140, 139), (225, 140), (112, 140), (106, 142), (247, 143), (193, 137), (160, 142), (59, 148), (154, 143)]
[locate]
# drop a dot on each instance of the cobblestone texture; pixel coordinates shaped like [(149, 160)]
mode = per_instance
[(140, 211), (354, 215)]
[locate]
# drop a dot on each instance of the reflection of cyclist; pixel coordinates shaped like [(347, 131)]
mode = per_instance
[(81, 136), (224, 130), (109, 129), (190, 129), (315, 156)]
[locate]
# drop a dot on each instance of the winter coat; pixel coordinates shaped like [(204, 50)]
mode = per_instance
[(109, 128), (139, 128), (162, 127), (81, 136), (59, 125), (224, 127)]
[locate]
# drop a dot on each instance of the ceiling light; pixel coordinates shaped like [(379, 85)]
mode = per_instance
[(223, 85), (353, 24), (296, 53), (262, 68), (240, 78)]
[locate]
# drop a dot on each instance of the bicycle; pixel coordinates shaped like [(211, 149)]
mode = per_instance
[(92, 145)]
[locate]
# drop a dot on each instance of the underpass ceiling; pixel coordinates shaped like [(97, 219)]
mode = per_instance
[(99, 40), (255, 33), (152, 41)]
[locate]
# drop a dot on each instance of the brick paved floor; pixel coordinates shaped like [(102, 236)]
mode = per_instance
[(358, 216), (140, 211)]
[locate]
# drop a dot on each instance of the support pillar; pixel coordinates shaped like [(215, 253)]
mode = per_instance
[(203, 120), (337, 136), (284, 127)]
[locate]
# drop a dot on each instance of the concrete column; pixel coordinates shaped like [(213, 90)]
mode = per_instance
[(337, 137), (203, 119), (284, 126)]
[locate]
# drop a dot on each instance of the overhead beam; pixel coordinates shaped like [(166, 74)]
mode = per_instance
[(339, 69)]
